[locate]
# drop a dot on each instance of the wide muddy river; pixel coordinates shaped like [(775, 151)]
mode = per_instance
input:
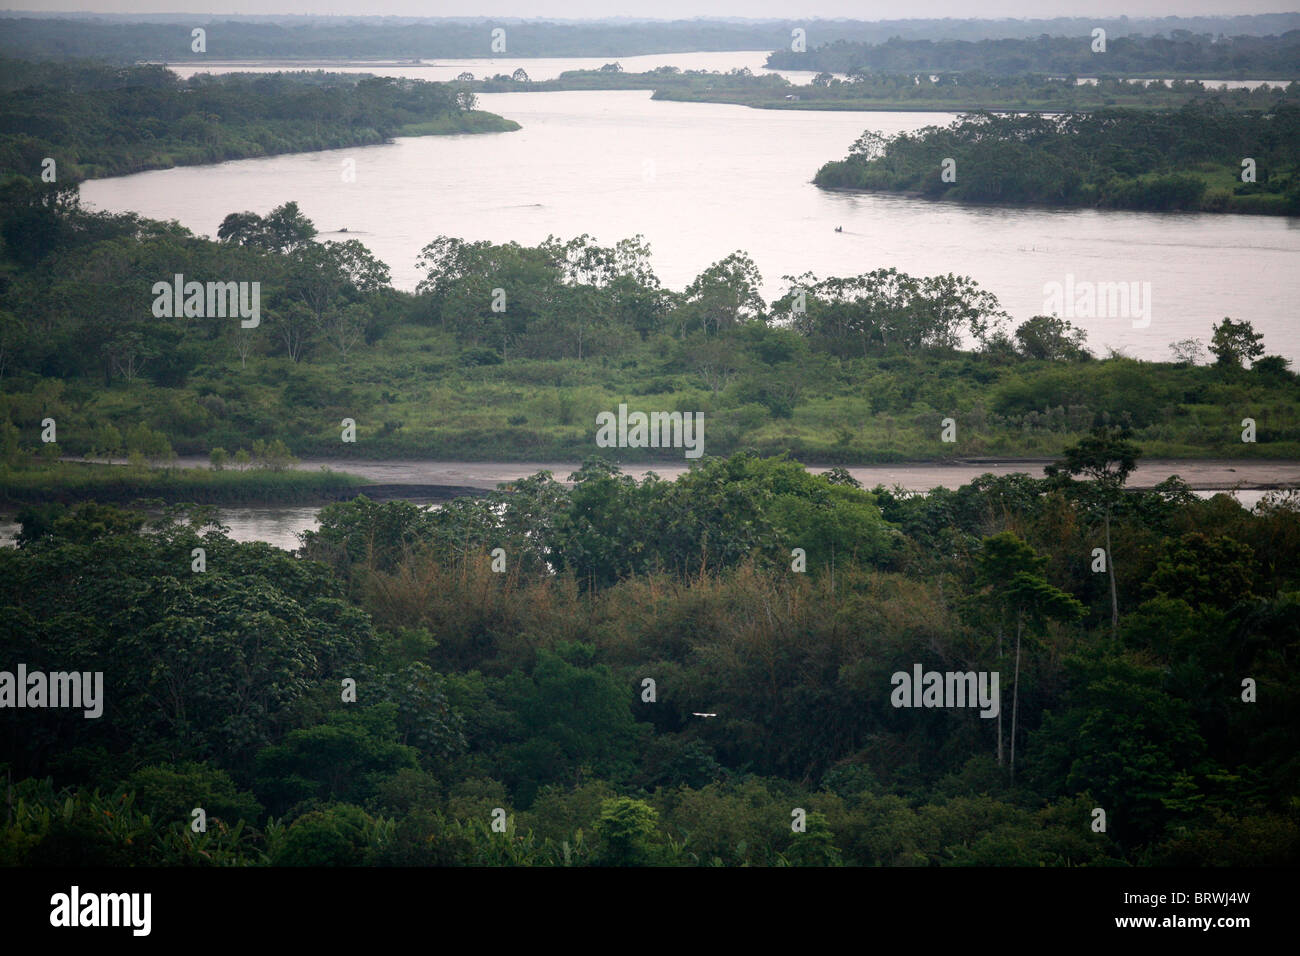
[(700, 180)]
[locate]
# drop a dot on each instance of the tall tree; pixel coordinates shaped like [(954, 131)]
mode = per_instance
[(1023, 599), (1235, 343), (1108, 457), (1035, 602), (726, 293)]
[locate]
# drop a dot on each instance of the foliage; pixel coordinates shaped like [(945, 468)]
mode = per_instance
[(500, 719), (1110, 158), (1059, 54), (100, 120), (835, 370)]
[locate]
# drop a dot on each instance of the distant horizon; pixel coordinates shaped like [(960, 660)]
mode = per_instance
[(740, 11)]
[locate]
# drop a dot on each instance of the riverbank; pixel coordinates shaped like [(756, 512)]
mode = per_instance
[(68, 481), (280, 520), (1200, 475), (451, 124), (320, 481), (142, 118)]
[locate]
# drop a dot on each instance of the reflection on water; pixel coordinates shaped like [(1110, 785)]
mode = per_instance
[(278, 526)]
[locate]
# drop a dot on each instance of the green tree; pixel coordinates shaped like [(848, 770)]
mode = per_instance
[(84, 523), (627, 831), (343, 758), (336, 836), (571, 713), (1022, 598), (1051, 338), (1121, 737), (1235, 343), (286, 229), (726, 294), (1205, 571), (151, 445), (1035, 602), (1108, 457), (273, 455), (10, 442), (108, 442), (169, 792), (240, 228), (816, 845)]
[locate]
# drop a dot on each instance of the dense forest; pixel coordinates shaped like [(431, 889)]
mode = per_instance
[(167, 37), (96, 120), (668, 673), (1182, 55), (1201, 157), (509, 352)]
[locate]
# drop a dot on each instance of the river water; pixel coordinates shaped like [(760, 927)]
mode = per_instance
[(700, 180), (538, 68)]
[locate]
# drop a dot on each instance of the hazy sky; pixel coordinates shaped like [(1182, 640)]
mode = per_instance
[(673, 9)]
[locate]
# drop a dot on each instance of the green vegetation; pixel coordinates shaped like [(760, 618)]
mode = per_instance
[(612, 671), (836, 370), (68, 481), (1192, 159), (547, 714), (1182, 55), (95, 120), (466, 121), (893, 91)]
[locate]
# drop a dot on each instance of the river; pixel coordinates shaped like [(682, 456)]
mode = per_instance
[(700, 180), (443, 69)]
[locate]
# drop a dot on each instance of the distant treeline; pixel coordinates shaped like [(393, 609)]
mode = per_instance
[(167, 37), (906, 91), (96, 120), (1193, 158), (1182, 55)]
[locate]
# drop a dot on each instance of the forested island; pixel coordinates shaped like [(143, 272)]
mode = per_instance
[(942, 92), (95, 120), (1202, 157), (1181, 54)]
